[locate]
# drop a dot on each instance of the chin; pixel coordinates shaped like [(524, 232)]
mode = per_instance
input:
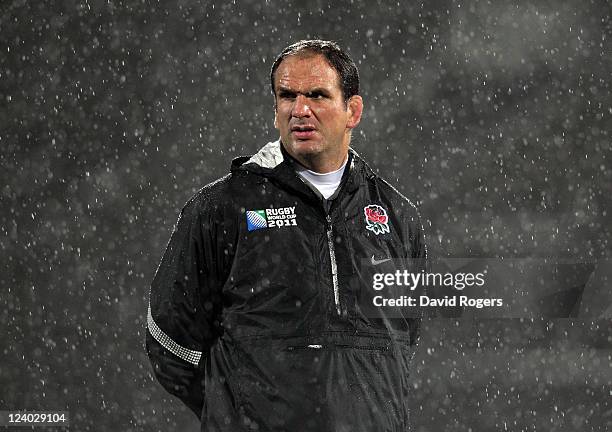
[(305, 147)]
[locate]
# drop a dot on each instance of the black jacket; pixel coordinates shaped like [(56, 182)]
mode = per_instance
[(256, 319)]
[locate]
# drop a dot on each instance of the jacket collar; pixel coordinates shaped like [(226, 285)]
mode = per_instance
[(272, 161)]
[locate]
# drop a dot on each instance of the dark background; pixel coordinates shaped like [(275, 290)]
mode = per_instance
[(495, 117)]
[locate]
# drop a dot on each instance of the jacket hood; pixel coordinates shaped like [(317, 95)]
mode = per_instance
[(263, 162)]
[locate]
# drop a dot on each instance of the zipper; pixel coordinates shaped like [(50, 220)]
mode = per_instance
[(334, 266), (301, 347), (339, 346), (332, 252)]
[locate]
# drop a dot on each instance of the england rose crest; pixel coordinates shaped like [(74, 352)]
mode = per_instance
[(376, 219)]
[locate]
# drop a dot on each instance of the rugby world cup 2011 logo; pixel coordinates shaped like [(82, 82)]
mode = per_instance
[(275, 217), (376, 219), (256, 219)]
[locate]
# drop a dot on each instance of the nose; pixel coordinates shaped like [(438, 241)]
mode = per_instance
[(300, 107)]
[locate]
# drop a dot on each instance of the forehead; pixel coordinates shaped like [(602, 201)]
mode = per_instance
[(305, 71)]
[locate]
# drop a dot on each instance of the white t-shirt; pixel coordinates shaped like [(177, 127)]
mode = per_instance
[(326, 183)]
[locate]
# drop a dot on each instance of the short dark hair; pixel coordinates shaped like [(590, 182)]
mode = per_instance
[(335, 56)]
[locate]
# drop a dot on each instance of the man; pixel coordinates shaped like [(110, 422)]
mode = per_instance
[(255, 320)]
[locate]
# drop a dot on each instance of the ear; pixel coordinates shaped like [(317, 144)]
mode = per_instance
[(275, 118), (355, 108)]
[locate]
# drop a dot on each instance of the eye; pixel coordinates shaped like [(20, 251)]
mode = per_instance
[(315, 95), (286, 95)]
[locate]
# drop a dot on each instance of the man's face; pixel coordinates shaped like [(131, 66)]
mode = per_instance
[(311, 115)]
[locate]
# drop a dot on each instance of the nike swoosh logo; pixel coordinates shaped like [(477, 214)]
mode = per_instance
[(376, 262)]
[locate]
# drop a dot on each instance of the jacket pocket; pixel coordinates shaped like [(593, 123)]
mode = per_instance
[(311, 385)]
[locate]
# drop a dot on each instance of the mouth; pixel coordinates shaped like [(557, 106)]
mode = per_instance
[(303, 131)]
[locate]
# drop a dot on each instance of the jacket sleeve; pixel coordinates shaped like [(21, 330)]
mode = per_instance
[(417, 254), (182, 306)]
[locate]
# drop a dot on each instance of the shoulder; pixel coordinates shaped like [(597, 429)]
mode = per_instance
[(210, 197), (387, 193), (396, 198)]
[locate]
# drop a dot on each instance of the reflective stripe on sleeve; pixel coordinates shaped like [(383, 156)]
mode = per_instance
[(166, 341)]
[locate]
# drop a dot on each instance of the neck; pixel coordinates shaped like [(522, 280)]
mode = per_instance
[(322, 175), (323, 165)]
